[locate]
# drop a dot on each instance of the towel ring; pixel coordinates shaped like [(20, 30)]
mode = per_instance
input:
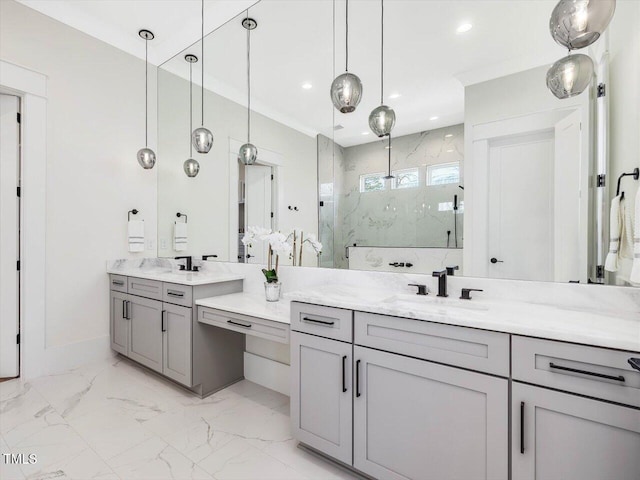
[(182, 215), (134, 211), (635, 174)]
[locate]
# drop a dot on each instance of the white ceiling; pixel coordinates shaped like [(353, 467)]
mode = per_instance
[(175, 23), (426, 61)]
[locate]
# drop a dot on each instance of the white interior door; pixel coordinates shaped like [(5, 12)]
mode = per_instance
[(9, 224), (521, 207), (257, 207)]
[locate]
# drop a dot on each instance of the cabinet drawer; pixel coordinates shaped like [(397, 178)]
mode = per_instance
[(118, 283), (596, 372), (458, 346), (145, 288), (329, 322), (258, 327), (177, 294)]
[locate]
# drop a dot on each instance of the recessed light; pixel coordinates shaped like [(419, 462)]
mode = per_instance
[(450, 150), (394, 96), (388, 147), (464, 28), (365, 133), (307, 86), (435, 117), (448, 135)]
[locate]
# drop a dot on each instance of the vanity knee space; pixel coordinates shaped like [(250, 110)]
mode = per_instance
[(400, 397)]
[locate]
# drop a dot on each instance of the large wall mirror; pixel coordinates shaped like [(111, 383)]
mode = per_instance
[(485, 170)]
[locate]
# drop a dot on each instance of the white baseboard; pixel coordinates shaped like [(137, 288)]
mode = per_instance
[(63, 358), (268, 373)]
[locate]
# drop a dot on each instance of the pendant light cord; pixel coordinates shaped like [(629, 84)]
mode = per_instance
[(248, 83), (146, 92), (382, 53), (346, 41), (389, 154), (202, 63), (190, 109)]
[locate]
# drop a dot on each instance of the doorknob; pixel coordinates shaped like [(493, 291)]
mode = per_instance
[(250, 256), (495, 260)]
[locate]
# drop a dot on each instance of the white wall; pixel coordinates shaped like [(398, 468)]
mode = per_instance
[(205, 198), (95, 125)]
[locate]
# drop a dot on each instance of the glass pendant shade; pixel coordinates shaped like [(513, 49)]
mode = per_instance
[(248, 154), (146, 158), (381, 120), (570, 76), (578, 23), (346, 92), (202, 139), (191, 167)]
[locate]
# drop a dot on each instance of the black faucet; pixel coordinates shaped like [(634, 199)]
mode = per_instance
[(466, 293), (188, 265), (422, 289), (442, 283)]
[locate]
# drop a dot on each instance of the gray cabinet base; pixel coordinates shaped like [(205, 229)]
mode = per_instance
[(336, 463)]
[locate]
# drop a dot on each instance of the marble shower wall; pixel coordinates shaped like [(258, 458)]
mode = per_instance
[(412, 217)]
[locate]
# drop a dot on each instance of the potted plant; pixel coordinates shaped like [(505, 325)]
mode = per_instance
[(278, 245)]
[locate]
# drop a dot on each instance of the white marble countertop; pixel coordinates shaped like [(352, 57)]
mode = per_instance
[(619, 330), (250, 304), (176, 276)]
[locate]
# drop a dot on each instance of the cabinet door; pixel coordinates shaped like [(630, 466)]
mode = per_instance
[(176, 343), (415, 419), (563, 436), (119, 325), (321, 396), (145, 345)]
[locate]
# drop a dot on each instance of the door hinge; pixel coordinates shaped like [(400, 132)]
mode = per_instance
[(18, 339), (602, 90), (271, 214), (19, 192), (18, 265), (322, 203), (272, 176), (19, 117), (600, 271), (601, 180)]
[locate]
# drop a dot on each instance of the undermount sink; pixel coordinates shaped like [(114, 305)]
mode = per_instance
[(427, 302)]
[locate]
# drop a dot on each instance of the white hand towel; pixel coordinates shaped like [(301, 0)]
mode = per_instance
[(635, 269), (136, 235), (180, 236), (616, 223)]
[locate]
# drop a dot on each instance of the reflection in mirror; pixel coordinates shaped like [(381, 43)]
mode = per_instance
[(491, 172)]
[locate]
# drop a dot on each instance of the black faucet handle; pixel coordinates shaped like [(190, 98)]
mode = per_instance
[(422, 289), (451, 270), (441, 273), (466, 293)]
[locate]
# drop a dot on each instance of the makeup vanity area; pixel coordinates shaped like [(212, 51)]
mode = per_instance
[(490, 185)]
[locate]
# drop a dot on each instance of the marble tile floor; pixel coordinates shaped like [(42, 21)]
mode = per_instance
[(115, 420)]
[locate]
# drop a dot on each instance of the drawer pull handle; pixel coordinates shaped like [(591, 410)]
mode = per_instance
[(522, 428), (357, 378), (175, 294), (118, 282), (344, 374), (321, 322), (635, 363), (619, 378), (239, 324)]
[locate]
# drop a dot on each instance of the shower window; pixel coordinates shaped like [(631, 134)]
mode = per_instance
[(443, 173), (372, 182), (406, 178)]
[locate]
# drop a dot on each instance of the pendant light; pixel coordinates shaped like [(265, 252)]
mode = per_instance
[(146, 156), (202, 138), (382, 118), (248, 153), (578, 23), (346, 89), (570, 76), (191, 165), (389, 176)]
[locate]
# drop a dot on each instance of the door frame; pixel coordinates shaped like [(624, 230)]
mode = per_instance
[(476, 172), (266, 157), (31, 87)]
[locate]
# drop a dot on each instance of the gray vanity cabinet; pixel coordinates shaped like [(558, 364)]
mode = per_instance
[(145, 345), (412, 417), (176, 343), (321, 394), (119, 322), (563, 436)]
